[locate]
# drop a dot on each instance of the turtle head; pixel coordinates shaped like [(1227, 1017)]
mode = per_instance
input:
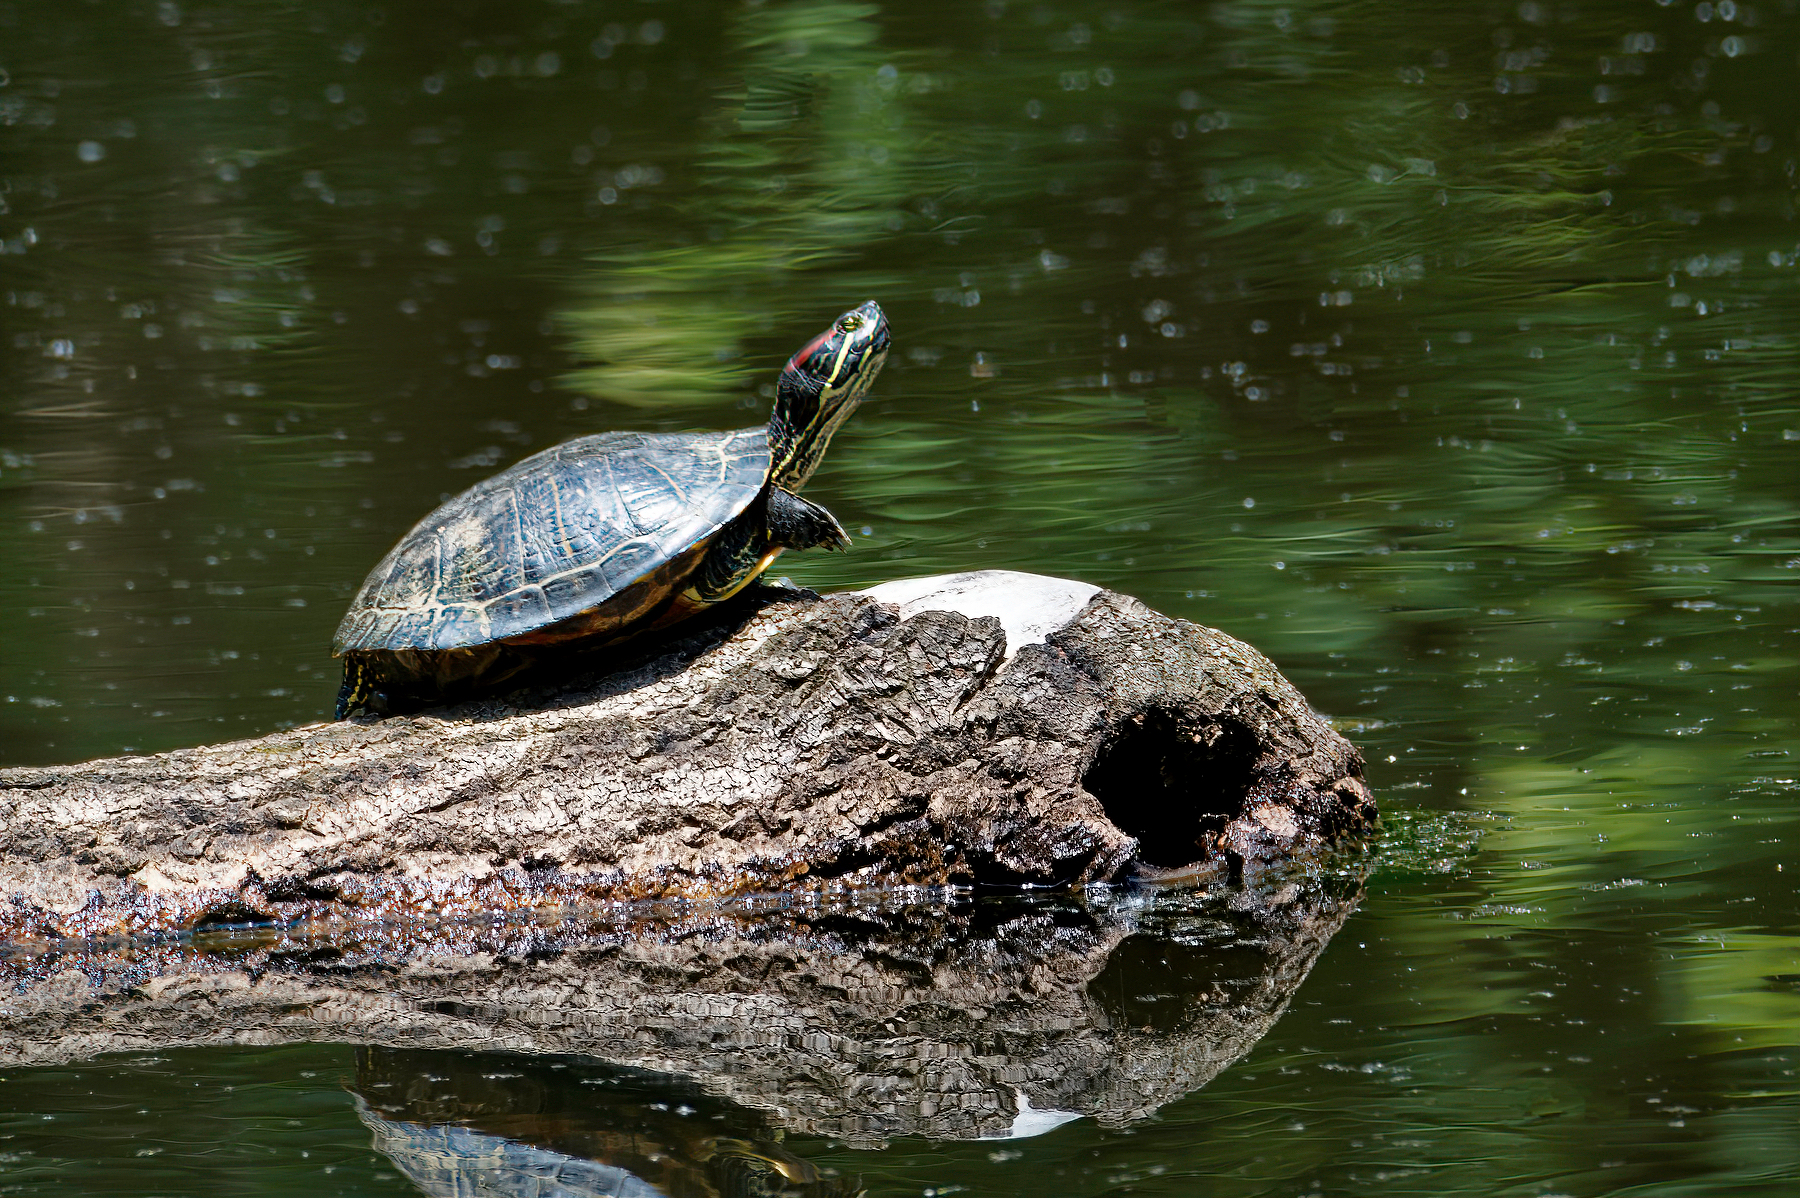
[(819, 388)]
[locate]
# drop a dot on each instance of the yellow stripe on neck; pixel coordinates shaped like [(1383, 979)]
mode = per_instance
[(837, 367)]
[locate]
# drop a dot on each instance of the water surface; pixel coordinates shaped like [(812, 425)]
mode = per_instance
[(1447, 354)]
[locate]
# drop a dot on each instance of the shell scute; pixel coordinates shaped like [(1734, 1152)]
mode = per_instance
[(519, 611), (555, 536), (414, 627), (412, 574), (460, 626), (472, 572), (630, 562), (578, 590)]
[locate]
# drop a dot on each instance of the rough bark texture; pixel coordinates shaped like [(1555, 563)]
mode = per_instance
[(809, 742), (844, 1019)]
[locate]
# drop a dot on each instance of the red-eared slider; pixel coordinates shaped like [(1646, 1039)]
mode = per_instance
[(602, 538)]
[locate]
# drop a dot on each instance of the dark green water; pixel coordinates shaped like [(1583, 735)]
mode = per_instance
[(1445, 352)]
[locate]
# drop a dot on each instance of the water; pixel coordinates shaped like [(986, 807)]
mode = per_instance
[(1444, 354)]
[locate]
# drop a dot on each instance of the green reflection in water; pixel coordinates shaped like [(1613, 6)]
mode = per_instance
[(1445, 354), (804, 169)]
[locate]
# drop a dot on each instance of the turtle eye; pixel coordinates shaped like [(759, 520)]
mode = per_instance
[(850, 324)]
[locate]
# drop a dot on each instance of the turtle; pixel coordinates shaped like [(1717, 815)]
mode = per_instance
[(602, 539)]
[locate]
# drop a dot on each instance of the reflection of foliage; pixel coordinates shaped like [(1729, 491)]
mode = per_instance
[(804, 167)]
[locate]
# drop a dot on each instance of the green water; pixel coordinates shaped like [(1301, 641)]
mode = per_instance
[(1444, 352)]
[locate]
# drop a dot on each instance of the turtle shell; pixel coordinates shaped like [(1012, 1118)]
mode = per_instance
[(610, 521)]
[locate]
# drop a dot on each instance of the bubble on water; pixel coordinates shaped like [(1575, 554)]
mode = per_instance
[(90, 151)]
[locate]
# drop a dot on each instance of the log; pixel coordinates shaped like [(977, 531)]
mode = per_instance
[(993, 728), (857, 1017)]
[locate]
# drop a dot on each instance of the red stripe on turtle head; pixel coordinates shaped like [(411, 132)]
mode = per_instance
[(809, 350)]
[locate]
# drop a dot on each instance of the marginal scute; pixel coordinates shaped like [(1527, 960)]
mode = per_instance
[(414, 628), (462, 625), (521, 611), (577, 589)]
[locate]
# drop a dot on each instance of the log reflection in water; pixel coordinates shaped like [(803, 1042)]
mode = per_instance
[(942, 1018)]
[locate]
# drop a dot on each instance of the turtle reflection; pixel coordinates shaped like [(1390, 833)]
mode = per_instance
[(681, 1068), (485, 1123)]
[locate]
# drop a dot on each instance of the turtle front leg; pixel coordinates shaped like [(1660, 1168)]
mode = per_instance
[(745, 547), (796, 523)]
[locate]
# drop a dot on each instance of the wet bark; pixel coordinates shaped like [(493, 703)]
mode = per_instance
[(805, 743)]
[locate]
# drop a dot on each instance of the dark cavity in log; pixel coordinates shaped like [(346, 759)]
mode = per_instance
[(1173, 784)]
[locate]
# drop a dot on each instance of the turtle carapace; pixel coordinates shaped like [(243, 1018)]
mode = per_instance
[(602, 538)]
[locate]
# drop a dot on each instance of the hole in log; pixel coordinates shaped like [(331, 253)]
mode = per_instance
[(1172, 783)]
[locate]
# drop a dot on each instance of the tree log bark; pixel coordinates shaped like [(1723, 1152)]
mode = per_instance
[(800, 743)]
